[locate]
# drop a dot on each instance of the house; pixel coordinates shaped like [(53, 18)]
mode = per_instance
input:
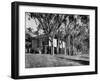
[(40, 44)]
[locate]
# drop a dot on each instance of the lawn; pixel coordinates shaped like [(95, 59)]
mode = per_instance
[(46, 60)]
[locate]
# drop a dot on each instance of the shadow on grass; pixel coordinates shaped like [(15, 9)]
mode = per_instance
[(44, 60), (78, 61)]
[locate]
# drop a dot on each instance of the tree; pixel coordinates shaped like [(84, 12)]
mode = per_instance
[(73, 29), (75, 26), (50, 23)]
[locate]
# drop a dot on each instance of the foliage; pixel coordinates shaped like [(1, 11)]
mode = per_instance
[(72, 29)]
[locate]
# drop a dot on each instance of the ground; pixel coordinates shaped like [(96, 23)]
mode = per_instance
[(46, 60)]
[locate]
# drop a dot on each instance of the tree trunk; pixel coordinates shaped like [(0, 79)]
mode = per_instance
[(69, 46), (45, 49), (58, 46), (52, 47), (73, 48), (61, 47), (65, 48), (40, 45)]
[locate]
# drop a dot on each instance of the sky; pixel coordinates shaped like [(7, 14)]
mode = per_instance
[(31, 23)]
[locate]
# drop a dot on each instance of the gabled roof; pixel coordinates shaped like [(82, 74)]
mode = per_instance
[(35, 36), (30, 33)]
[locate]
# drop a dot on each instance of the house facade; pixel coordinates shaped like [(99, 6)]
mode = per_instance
[(41, 44)]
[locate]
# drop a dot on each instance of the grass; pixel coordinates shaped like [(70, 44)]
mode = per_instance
[(46, 60)]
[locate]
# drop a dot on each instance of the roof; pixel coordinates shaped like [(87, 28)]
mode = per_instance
[(33, 35), (30, 33)]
